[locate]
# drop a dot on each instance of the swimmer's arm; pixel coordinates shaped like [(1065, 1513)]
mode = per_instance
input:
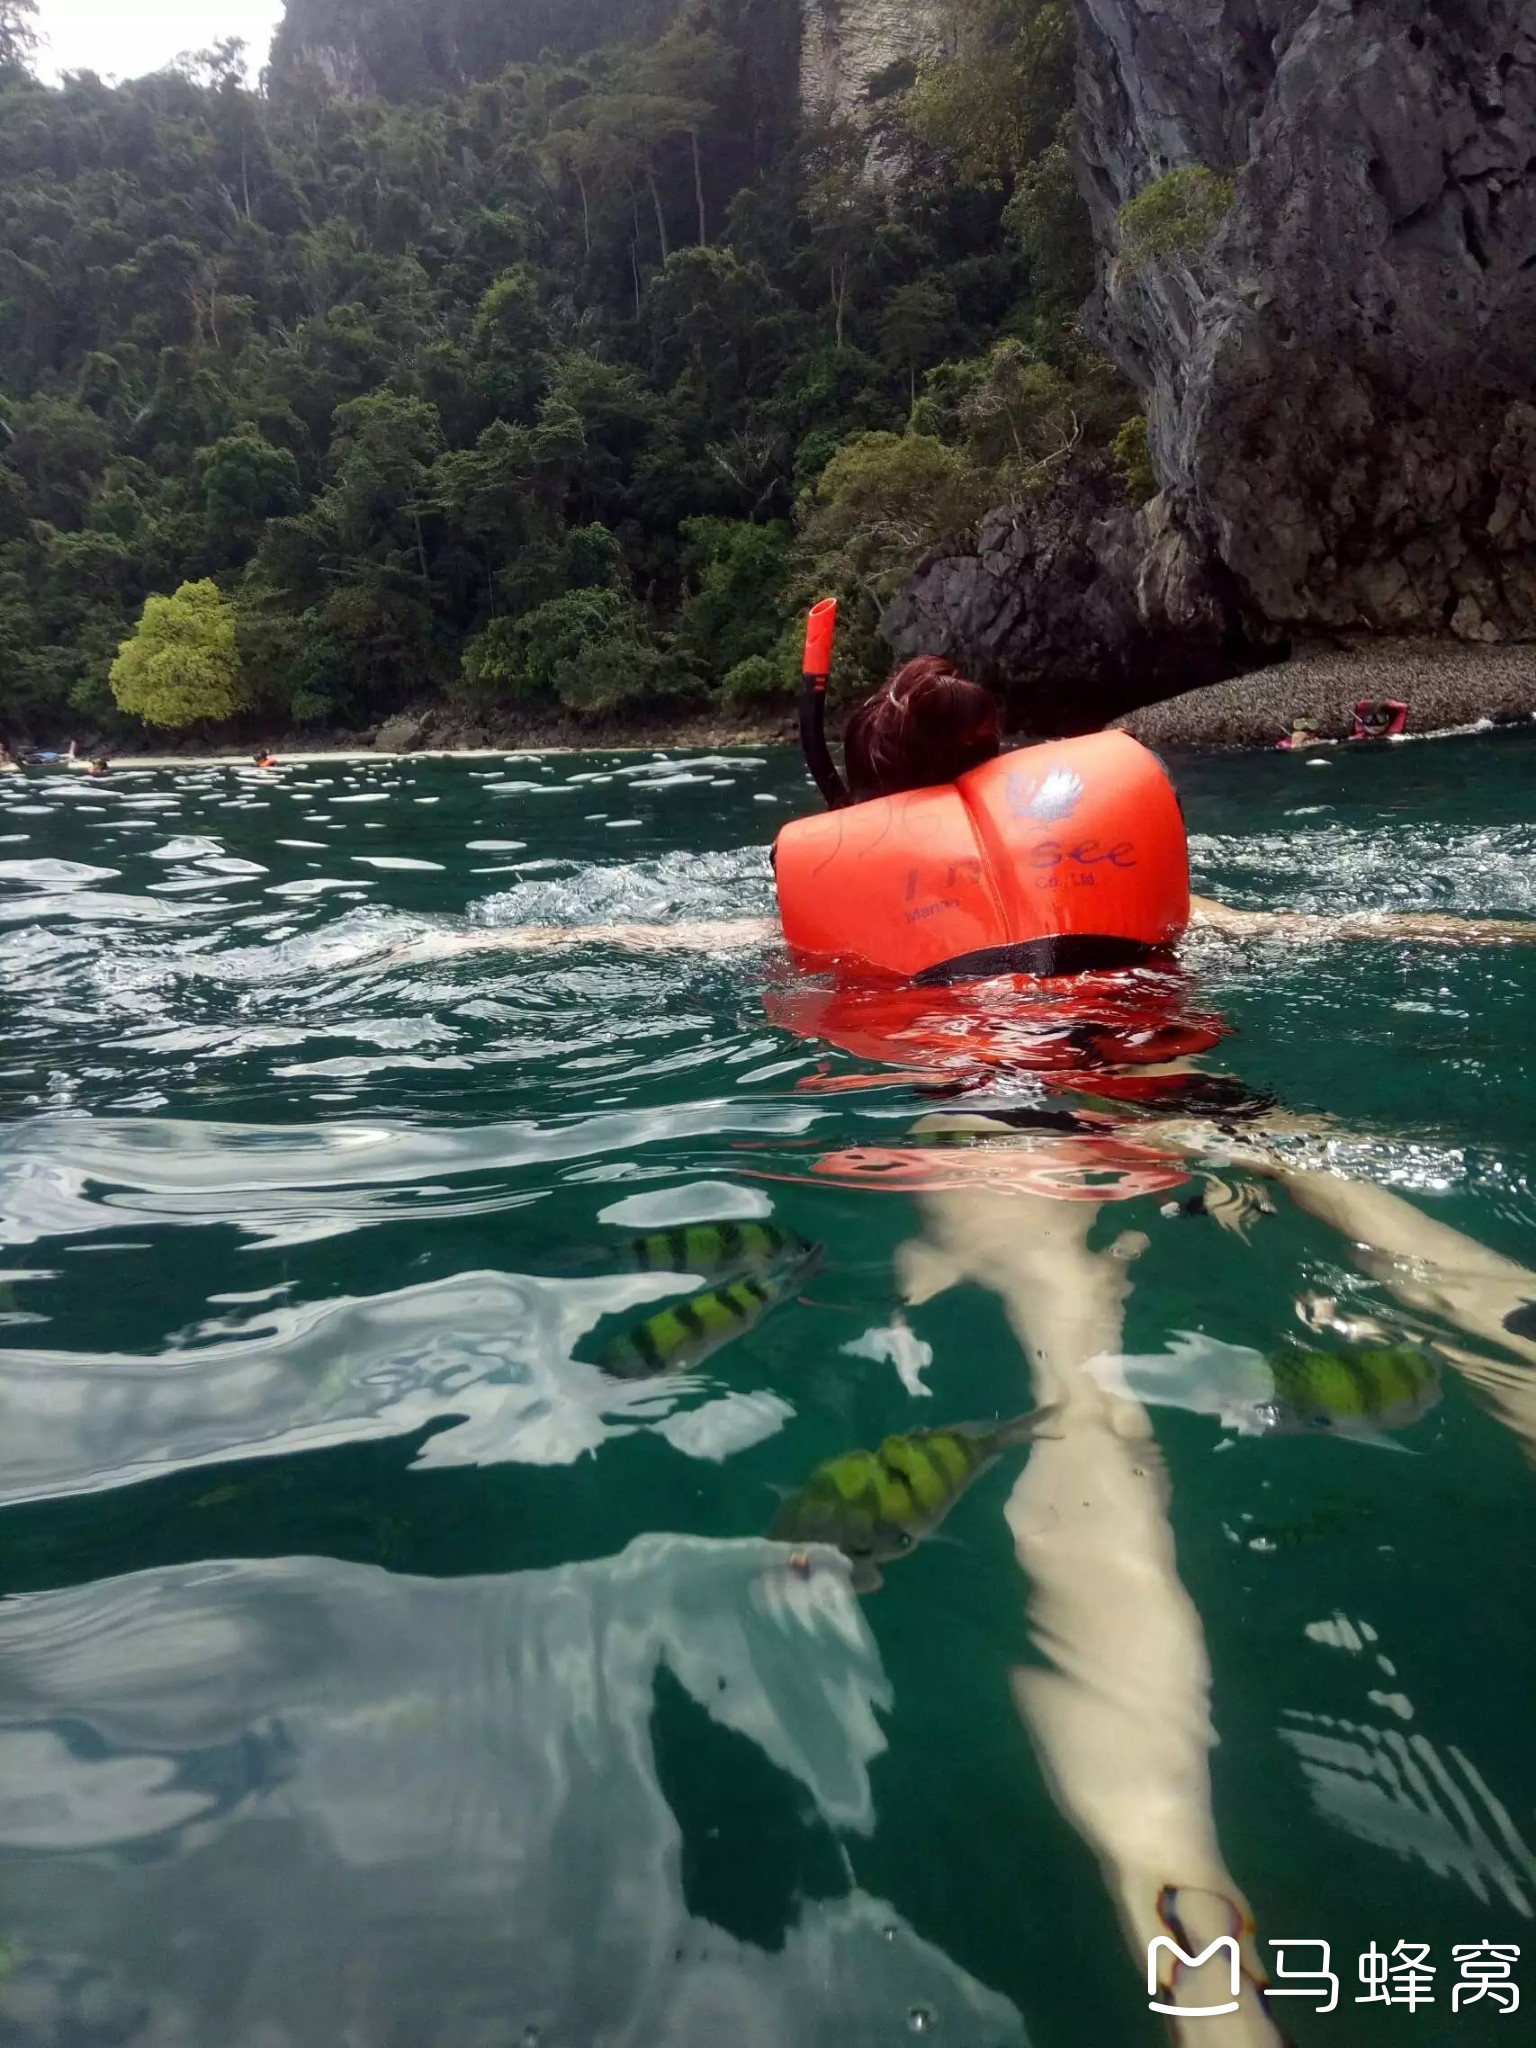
[(725, 935), (1206, 914)]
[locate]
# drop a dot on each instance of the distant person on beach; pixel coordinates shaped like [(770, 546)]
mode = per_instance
[(50, 757), (9, 765), (1381, 718)]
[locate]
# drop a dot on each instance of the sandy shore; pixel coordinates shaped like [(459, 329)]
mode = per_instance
[(317, 757), (441, 738), (1445, 686)]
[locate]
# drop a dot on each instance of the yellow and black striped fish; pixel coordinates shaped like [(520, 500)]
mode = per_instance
[(1361, 1392), (682, 1335), (713, 1250), (877, 1505)]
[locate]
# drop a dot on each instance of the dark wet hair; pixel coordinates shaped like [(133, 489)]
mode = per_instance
[(928, 724)]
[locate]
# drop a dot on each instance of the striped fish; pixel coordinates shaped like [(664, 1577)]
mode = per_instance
[(681, 1336), (713, 1250), (1359, 1393), (877, 1505)]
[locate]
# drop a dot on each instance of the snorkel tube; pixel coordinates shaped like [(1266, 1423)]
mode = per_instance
[(817, 666)]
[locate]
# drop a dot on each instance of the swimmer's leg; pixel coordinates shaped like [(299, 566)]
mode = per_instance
[(1119, 1707)]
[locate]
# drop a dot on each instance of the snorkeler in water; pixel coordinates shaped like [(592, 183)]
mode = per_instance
[(929, 725), (1380, 718)]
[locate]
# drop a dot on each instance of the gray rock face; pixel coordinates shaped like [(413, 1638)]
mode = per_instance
[(854, 56), (1077, 607), (1342, 384)]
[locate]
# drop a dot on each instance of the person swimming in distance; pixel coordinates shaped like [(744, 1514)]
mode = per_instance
[(264, 759), (99, 766), (9, 765)]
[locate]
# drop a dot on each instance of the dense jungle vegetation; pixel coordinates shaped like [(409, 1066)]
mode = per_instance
[(556, 393)]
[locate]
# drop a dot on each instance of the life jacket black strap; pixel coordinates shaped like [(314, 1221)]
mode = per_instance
[(1062, 953)]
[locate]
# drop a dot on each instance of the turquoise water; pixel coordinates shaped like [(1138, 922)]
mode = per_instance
[(374, 1668)]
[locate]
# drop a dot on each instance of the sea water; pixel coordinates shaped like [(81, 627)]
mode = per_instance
[(375, 1669)]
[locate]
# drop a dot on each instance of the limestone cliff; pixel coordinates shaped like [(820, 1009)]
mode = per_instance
[(1341, 392), (402, 48), (1341, 380), (854, 54)]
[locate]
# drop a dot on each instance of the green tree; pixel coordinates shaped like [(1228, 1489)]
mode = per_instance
[(735, 605), (245, 482), (878, 504), (588, 650), (182, 665), (916, 323), (1175, 215), (1047, 216), (995, 101)]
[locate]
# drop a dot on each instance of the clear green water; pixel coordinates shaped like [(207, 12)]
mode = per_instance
[(374, 1670)]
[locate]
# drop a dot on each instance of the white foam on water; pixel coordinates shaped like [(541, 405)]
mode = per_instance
[(55, 874), (187, 847), (671, 887), (317, 887)]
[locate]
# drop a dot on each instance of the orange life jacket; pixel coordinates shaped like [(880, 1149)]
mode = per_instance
[(1056, 857)]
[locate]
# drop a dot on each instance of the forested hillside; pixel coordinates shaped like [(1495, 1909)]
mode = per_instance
[(559, 391)]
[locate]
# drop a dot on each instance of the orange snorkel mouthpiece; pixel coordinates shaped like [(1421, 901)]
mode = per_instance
[(820, 628)]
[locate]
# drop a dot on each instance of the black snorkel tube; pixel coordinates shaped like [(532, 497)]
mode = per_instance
[(817, 666)]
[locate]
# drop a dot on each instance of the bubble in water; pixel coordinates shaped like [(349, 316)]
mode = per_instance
[(531, 2037), (919, 2020)]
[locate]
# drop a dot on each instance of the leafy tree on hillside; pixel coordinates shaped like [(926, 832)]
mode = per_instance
[(182, 666)]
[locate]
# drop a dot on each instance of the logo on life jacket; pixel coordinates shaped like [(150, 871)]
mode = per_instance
[(1047, 800)]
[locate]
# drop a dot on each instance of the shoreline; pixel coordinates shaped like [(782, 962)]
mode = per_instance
[(426, 736), (1449, 687)]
